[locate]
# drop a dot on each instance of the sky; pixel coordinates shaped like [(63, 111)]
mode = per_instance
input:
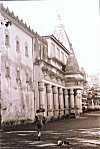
[(80, 18)]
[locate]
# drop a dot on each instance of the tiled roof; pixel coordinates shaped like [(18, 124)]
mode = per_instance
[(72, 64)]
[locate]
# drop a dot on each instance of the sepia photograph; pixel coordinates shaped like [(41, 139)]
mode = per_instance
[(50, 74)]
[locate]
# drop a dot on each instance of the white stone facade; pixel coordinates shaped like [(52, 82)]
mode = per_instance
[(17, 96), (33, 74), (56, 93)]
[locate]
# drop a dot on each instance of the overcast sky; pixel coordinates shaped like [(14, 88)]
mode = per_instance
[(81, 21)]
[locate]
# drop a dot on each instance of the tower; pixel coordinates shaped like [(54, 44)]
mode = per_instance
[(61, 35)]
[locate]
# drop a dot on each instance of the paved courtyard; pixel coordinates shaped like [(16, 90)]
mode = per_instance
[(81, 133)]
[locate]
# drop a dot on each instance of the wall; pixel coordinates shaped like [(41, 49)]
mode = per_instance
[(17, 96)]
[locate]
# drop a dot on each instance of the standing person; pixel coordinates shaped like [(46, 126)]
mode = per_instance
[(83, 109), (39, 123)]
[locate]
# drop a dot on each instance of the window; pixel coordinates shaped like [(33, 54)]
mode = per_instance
[(27, 81), (7, 75), (18, 79), (7, 38), (45, 52), (17, 44), (27, 77), (65, 59), (7, 72), (58, 53), (52, 49), (18, 74), (62, 56), (26, 49)]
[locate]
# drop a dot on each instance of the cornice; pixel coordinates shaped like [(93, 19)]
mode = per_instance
[(6, 12), (15, 19), (52, 37)]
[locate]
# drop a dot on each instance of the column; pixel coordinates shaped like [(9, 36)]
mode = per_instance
[(45, 100), (92, 103), (55, 101), (77, 102), (32, 106), (72, 106), (80, 100), (66, 101), (49, 100), (41, 95), (61, 101)]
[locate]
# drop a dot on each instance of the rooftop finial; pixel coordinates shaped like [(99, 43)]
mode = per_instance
[(59, 18), (60, 33), (60, 24)]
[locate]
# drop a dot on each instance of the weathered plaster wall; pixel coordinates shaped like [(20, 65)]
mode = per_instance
[(17, 97)]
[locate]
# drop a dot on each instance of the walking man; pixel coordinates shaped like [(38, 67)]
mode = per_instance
[(39, 123)]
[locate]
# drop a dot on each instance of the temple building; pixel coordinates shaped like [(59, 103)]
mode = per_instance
[(36, 72)]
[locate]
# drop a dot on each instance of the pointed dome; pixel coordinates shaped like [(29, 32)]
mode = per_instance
[(72, 64), (61, 35)]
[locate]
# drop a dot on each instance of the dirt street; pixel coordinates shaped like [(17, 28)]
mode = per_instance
[(81, 133)]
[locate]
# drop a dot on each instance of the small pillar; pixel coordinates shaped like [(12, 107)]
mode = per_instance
[(66, 101), (49, 100), (55, 101), (92, 103), (41, 95), (72, 106), (61, 101), (80, 101), (77, 103)]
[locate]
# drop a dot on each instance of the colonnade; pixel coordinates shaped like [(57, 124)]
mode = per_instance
[(58, 101)]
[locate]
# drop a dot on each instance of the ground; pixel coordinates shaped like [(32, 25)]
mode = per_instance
[(82, 133)]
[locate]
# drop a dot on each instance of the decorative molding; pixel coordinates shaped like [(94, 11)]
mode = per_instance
[(41, 86), (71, 92), (55, 90), (52, 75), (60, 91), (65, 92), (49, 88)]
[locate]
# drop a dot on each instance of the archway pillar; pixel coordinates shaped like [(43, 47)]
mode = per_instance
[(66, 101), (41, 95), (49, 100), (72, 104), (55, 101), (61, 101), (80, 100), (77, 104)]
